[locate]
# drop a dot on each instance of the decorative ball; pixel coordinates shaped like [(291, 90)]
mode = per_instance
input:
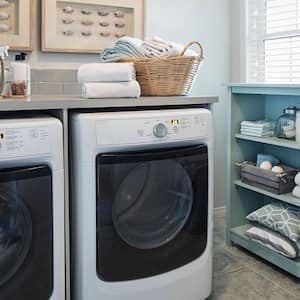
[(266, 165), (277, 169)]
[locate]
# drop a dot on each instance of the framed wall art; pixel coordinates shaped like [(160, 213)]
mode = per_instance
[(88, 26), (16, 24)]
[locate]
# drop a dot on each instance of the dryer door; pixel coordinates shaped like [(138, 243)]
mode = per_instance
[(151, 211), (25, 233)]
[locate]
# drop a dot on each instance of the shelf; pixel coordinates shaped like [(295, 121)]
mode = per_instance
[(287, 198), (237, 236), (257, 102), (270, 141)]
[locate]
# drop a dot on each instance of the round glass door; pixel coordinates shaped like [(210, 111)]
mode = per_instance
[(152, 204), (15, 232)]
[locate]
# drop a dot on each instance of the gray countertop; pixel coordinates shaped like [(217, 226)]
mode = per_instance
[(71, 102)]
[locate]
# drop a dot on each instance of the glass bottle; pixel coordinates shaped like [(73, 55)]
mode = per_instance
[(286, 124)]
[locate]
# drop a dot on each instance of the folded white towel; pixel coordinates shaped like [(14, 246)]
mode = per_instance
[(109, 72), (93, 90), (296, 191), (257, 134), (297, 179)]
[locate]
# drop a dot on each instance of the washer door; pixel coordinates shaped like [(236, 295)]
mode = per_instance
[(15, 231), (152, 211), (26, 233), (152, 204)]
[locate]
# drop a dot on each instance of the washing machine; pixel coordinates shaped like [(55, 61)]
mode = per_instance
[(31, 209), (142, 200)]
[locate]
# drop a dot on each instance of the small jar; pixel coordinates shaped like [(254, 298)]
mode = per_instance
[(20, 77), (286, 124)]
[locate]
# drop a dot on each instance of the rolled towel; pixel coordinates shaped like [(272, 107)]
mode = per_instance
[(110, 72), (296, 191), (94, 90), (297, 179)]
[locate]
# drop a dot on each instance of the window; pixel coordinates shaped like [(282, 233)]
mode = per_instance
[(273, 52)]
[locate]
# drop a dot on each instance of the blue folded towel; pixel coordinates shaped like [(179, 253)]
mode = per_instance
[(123, 49)]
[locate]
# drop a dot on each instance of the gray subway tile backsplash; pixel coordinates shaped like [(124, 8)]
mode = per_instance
[(53, 75), (34, 88), (51, 88), (72, 88), (54, 82)]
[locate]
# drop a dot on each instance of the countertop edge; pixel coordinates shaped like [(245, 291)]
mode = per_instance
[(70, 102)]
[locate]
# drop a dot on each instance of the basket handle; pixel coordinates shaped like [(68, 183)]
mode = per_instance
[(190, 45)]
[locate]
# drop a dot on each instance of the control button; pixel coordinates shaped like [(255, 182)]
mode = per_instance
[(175, 129), (160, 130)]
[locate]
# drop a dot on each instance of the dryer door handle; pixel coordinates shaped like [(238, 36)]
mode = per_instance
[(155, 154)]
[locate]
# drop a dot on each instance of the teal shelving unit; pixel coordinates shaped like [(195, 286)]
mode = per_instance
[(256, 102)]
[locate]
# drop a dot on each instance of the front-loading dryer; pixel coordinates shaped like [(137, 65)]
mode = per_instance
[(31, 209), (142, 205)]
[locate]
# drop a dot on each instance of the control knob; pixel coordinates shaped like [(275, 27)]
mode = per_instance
[(160, 130)]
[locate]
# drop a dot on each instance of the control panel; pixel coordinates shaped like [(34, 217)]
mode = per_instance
[(146, 130), (22, 142)]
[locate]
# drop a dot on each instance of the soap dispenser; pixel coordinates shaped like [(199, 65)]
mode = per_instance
[(20, 77), (3, 54)]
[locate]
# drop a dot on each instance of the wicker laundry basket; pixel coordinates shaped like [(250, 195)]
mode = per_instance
[(167, 76)]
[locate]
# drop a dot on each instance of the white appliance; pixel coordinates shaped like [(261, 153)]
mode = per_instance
[(142, 204), (32, 263)]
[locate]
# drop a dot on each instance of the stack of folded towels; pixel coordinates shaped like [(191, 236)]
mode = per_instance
[(257, 128), (111, 80), (296, 190), (127, 47)]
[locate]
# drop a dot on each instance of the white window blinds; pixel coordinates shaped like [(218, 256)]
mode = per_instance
[(274, 41)]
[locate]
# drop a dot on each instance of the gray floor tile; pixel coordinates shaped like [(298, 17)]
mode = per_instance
[(283, 279), (225, 263), (246, 285)]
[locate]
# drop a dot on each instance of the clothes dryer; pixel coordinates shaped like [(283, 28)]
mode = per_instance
[(142, 205), (31, 209)]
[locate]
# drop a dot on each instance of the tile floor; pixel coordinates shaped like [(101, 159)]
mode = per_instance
[(239, 275)]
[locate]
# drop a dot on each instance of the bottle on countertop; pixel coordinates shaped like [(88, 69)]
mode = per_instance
[(20, 76)]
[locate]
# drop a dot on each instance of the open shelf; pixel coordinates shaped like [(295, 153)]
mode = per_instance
[(257, 102), (237, 236), (270, 141), (287, 198)]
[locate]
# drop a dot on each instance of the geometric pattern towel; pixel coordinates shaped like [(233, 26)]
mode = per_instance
[(279, 217)]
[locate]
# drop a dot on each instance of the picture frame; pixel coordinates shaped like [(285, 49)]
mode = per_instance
[(89, 26), (17, 24)]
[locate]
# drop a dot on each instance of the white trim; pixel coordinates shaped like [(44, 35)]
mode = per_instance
[(243, 40)]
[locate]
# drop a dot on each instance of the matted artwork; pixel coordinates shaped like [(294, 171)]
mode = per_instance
[(88, 26), (16, 24)]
